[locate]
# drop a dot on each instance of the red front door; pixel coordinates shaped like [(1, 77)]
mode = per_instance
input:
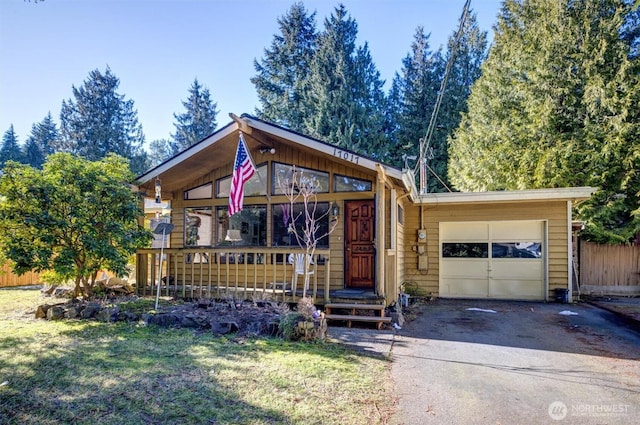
[(360, 249)]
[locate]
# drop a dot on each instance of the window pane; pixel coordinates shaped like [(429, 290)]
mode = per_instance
[(350, 184), (200, 192), (282, 219), (516, 250), (256, 186), (246, 228), (197, 226), (283, 175), (465, 250)]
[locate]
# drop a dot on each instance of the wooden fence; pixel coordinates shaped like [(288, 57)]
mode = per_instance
[(7, 278), (609, 269)]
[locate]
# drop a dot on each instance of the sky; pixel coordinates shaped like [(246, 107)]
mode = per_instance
[(158, 47)]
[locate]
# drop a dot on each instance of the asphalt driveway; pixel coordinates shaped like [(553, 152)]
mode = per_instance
[(516, 363)]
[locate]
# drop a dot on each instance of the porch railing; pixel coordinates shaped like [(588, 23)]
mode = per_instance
[(258, 273)]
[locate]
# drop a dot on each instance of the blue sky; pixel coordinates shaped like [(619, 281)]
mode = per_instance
[(156, 48)]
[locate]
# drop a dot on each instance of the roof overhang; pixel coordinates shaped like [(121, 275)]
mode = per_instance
[(574, 194), (218, 150)]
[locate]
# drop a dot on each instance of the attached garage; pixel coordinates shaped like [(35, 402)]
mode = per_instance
[(493, 259), (514, 245)]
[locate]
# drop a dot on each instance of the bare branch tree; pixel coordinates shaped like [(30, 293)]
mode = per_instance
[(305, 225)]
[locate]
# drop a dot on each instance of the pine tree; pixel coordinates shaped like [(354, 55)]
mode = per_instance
[(159, 151), (33, 154), (10, 150), (282, 73), (558, 104), (415, 91), (344, 89), (98, 120), (45, 135), (198, 122)]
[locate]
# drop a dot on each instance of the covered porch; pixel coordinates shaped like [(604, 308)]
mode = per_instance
[(248, 273)]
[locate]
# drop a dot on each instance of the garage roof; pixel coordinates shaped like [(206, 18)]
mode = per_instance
[(563, 193)]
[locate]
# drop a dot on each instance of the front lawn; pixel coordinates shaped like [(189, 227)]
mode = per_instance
[(70, 371)]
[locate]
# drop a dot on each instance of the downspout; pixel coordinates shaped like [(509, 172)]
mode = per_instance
[(569, 253)]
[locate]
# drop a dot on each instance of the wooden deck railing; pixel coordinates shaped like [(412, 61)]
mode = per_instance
[(258, 273)]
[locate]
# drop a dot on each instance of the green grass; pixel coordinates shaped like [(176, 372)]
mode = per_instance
[(83, 372)]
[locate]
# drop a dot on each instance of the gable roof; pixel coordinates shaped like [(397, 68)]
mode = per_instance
[(218, 150)]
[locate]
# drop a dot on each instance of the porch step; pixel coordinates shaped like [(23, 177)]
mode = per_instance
[(378, 317)]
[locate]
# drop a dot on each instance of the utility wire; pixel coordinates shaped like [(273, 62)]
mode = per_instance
[(426, 140)]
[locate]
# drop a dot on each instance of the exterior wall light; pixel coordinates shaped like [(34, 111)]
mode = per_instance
[(335, 210)]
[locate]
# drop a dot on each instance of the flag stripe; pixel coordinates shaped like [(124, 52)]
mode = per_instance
[(243, 170)]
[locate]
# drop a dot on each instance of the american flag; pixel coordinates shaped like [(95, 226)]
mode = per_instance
[(243, 170)]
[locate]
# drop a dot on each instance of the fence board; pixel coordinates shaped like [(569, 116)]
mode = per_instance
[(609, 265), (7, 278)]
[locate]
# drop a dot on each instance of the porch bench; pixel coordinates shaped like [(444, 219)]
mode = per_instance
[(379, 318)]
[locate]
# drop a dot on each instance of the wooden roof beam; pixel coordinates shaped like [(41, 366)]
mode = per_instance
[(242, 124)]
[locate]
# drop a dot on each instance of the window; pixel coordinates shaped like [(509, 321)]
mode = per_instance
[(516, 250), (197, 226), (256, 186), (201, 192), (465, 250), (400, 215), (246, 228), (282, 219), (350, 184), (283, 175)]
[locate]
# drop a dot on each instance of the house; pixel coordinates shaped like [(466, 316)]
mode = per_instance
[(388, 238)]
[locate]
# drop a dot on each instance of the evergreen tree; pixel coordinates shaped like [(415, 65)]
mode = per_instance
[(283, 71), (558, 104), (344, 89), (415, 91), (99, 121), (10, 150), (159, 151), (198, 122), (46, 135), (33, 155)]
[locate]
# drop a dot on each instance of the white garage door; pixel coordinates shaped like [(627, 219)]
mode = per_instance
[(494, 259)]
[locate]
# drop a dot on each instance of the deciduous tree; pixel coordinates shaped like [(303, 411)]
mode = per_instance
[(74, 217)]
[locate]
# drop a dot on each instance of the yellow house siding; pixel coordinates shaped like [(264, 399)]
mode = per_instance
[(285, 155), (553, 212)]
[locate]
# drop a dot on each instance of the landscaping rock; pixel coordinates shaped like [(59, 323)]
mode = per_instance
[(90, 311), (223, 328), (166, 320), (55, 312), (41, 311)]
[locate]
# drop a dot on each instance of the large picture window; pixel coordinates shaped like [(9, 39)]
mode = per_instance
[(283, 234), (256, 186), (198, 226), (283, 176), (246, 228)]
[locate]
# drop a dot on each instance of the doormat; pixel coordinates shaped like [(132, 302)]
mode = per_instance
[(349, 292)]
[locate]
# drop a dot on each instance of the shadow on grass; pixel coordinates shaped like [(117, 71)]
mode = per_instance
[(121, 373)]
